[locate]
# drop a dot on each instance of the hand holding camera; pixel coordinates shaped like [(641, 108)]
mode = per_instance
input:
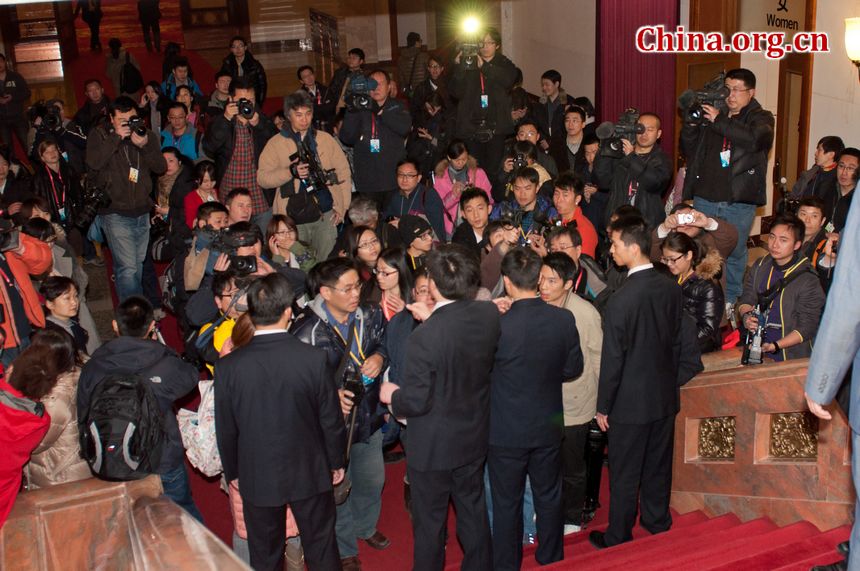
[(139, 140)]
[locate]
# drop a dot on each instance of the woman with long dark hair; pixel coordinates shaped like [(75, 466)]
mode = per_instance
[(282, 238), (394, 280), (363, 248), (697, 271), (55, 181)]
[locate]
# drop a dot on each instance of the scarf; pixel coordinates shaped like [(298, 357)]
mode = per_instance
[(165, 185)]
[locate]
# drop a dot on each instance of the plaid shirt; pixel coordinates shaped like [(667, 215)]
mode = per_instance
[(241, 172)]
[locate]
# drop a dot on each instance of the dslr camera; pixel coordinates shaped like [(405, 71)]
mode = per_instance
[(469, 55), (246, 108), (611, 135), (520, 162), (713, 93), (357, 97), (541, 224), (49, 113), (137, 125)]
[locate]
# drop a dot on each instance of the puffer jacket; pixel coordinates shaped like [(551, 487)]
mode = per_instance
[(252, 70), (704, 301), (751, 136), (444, 187), (57, 459), (312, 327)]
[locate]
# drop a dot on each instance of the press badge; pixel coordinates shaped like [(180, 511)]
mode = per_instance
[(725, 157), (133, 174), (829, 228), (485, 101), (374, 146), (62, 213)]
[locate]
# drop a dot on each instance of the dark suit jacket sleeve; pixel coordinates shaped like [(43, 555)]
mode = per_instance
[(690, 358), (226, 431), (415, 397), (611, 360), (575, 363), (330, 416)]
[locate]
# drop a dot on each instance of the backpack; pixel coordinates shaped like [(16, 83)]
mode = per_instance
[(122, 432), (130, 78)]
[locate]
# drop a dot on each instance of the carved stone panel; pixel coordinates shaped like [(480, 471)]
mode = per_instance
[(717, 438)]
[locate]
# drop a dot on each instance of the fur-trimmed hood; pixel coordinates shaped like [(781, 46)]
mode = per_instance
[(563, 98), (710, 266), (442, 166)]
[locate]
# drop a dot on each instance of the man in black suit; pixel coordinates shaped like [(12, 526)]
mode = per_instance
[(649, 351), (280, 431), (538, 351), (445, 395)]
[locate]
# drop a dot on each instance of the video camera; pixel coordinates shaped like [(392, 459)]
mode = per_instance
[(611, 135), (318, 177), (230, 241), (49, 113), (713, 93), (752, 349), (469, 54), (357, 96)]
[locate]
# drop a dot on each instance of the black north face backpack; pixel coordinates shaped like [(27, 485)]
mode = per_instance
[(122, 433)]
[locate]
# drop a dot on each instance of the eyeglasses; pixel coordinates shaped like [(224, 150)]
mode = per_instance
[(489, 43), (423, 291), (176, 117), (369, 244), (407, 174), (229, 293), (355, 288), (554, 249), (668, 261), (738, 89), (386, 274), (846, 168)]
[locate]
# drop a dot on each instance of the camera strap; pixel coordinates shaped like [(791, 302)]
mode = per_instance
[(766, 297), (61, 199), (346, 353)]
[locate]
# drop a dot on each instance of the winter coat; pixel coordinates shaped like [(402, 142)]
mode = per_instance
[(444, 187), (377, 171), (218, 141), (411, 67), (169, 87), (652, 172), (751, 136), (551, 125), (57, 459), (580, 396), (187, 142), (16, 86), (423, 201), (465, 86), (704, 301), (35, 260), (113, 69), (23, 423), (171, 379), (312, 327), (252, 71), (66, 188), (109, 158)]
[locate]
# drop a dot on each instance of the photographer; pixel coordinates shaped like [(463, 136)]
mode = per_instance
[(783, 288), (50, 122), (236, 136), (377, 136), (342, 78), (352, 335), (122, 159), (528, 211), (640, 176), (482, 87), (727, 165), (312, 199), (520, 155), (54, 181)]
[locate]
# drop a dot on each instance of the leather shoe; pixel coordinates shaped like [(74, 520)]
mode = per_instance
[(350, 563), (596, 538), (378, 541), (393, 457)]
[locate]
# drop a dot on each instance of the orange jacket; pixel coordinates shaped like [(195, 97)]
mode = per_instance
[(35, 259)]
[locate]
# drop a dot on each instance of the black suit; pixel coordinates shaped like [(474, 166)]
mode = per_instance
[(649, 351), (280, 431), (538, 351), (445, 395)]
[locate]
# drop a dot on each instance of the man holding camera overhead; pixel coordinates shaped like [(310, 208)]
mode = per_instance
[(639, 173), (376, 127), (122, 158), (235, 141), (316, 206), (727, 164)]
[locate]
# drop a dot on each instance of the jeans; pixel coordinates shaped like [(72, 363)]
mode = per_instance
[(529, 523), (357, 517), (742, 216), (178, 488), (128, 238)]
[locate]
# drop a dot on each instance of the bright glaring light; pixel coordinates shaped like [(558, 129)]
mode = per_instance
[(852, 38), (471, 25)]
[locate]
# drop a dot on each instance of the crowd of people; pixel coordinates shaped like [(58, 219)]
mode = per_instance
[(436, 260)]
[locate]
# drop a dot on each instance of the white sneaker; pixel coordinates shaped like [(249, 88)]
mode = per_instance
[(570, 528)]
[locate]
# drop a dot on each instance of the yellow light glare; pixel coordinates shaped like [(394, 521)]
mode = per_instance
[(471, 25), (852, 38)]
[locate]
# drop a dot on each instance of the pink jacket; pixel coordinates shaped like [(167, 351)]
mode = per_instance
[(450, 201), (239, 517)]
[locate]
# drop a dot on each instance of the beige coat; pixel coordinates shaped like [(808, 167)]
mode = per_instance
[(57, 459), (580, 395), (273, 169)]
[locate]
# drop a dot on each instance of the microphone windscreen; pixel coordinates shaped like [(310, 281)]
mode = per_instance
[(686, 99), (605, 130)]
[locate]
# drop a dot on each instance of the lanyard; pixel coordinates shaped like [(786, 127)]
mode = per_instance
[(578, 279), (482, 82), (319, 96), (411, 202), (358, 344), (373, 126), (62, 199), (726, 144)]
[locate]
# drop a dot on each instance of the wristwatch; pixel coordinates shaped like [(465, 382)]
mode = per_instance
[(776, 348)]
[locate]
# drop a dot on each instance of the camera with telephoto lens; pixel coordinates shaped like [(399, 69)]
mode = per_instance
[(246, 108), (357, 97), (713, 93), (243, 265), (318, 177), (49, 113), (612, 135), (137, 125), (469, 55)]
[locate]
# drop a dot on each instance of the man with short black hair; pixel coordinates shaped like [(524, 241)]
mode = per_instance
[(125, 163), (323, 112), (444, 392), (783, 286), (96, 110), (475, 207), (435, 82), (527, 207), (549, 111), (135, 351), (181, 75), (538, 348), (271, 391), (567, 199), (649, 350), (220, 95), (527, 130), (413, 197), (838, 200), (820, 179), (343, 77), (179, 133)]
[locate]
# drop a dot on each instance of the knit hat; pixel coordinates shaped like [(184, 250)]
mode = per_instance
[(410, 227)]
